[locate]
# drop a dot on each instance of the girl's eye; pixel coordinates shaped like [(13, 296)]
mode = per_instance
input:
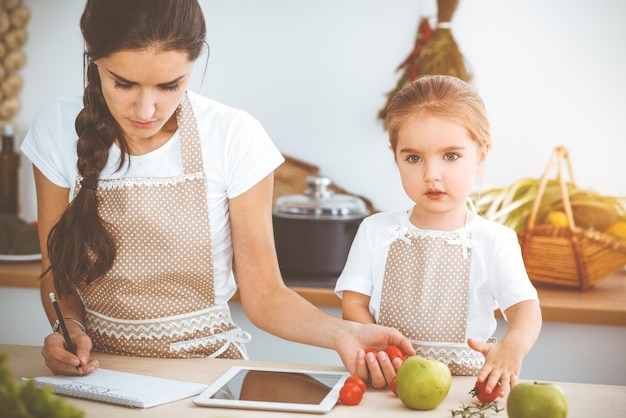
[(414, 159), (451, 156), (121, 86)]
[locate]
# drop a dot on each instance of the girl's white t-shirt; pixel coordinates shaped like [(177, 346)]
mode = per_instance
[(237, 153), (498, 278)]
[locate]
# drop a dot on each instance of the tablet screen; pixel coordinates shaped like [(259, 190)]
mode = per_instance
[(275, 389)]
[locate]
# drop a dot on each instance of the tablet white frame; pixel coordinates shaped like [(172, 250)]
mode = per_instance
[(204, 399)]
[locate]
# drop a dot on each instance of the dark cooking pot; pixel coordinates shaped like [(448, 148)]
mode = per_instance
[(314, 230)]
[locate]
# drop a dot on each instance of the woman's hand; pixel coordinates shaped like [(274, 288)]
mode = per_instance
[(381, 368), (61, 361), (374, 364), (377, 368)]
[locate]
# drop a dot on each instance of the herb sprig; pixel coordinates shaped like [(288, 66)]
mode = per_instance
[(476, 409)]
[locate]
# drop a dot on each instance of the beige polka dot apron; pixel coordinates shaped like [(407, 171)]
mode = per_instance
[(425, 294), (158, 298)]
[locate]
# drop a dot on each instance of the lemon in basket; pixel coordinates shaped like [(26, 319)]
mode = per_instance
[(558, 218), (618, 229)]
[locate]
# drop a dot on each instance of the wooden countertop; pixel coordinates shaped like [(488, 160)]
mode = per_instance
[(604, 304), (584, 400)]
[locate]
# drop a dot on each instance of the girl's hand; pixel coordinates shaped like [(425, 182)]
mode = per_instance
[(502, 365), (503, 360)]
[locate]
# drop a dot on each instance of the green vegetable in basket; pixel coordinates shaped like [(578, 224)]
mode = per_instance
[(512, 205)]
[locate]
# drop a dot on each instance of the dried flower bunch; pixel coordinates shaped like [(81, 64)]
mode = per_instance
[(435, 52)]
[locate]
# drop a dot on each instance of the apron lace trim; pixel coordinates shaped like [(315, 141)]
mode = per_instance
[(462, 237), (212, 318), (125, 183), (235, 337), (449, 353)]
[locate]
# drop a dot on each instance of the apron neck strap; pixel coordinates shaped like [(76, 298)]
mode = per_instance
[(189, 137)]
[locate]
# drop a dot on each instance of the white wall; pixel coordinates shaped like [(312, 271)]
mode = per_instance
[(315, 72)]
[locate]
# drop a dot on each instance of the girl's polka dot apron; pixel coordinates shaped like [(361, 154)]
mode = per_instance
[(158, 299), (425, 294)]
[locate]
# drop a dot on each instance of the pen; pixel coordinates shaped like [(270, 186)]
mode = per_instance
[(70, 345)]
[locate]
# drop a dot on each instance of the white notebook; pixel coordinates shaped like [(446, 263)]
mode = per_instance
[(127, 389)]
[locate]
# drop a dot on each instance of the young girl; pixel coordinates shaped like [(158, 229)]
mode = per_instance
[(438, 271)]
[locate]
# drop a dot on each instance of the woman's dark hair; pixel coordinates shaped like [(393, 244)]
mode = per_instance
[(80, 245)]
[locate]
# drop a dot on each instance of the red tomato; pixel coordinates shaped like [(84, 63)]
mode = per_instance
[(480, 393), (392, 385), (357, 381), (350, 394), (393, 352), (371, 350)]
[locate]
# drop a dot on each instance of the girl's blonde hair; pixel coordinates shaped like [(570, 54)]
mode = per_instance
[(444, 97)]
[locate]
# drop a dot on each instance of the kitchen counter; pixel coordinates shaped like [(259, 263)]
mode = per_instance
[(585, 400), (603, 304)]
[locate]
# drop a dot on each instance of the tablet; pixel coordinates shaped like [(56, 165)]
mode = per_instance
[(274, 389)]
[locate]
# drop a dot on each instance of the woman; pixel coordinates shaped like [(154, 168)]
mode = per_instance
[(168, 192)]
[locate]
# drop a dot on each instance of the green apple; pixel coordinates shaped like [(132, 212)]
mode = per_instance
[(423, 384), (536, 400)]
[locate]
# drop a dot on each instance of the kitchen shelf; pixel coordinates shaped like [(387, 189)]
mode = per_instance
[(603, 304)]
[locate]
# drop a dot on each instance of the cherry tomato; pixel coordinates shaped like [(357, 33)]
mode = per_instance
[(371, 350), (392, 385), (357, 381), (393, 352), (350, 394), (480, 393)]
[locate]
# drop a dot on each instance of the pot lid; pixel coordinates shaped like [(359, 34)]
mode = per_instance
[(320, 202)]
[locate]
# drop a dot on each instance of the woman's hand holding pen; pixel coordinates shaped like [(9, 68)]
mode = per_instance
[(60, 361)]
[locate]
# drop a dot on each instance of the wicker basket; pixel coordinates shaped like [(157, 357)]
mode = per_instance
[(567, 256)]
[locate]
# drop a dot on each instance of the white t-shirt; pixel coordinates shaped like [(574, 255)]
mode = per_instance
[(237, 153), (498, 277)]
